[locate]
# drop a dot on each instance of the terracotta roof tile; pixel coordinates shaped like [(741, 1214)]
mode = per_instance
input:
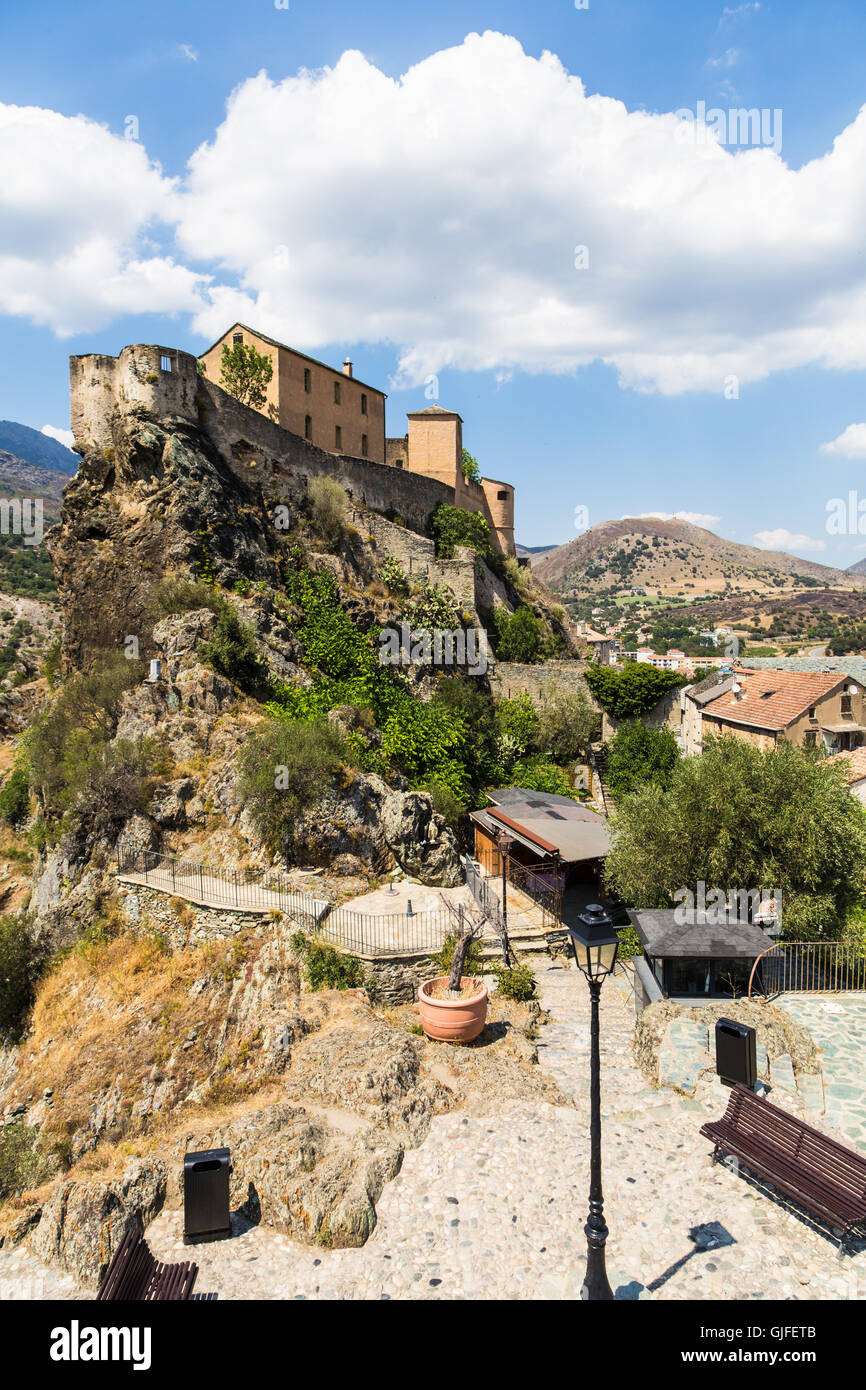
[(856, 761), (773, 699)]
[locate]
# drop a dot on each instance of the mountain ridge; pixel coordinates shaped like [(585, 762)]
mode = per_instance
[(34, 447), (680, 556)]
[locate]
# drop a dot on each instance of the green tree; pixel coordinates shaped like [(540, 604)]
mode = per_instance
[(80, 720), (567, 724), (470, 468), (329, 504), (518, 636), (637, 756), (516, 729), (232, 651), (632, 691), (17, 974), (245, 373), (741, 817), (286, 766), (453, 526), (15, 796)]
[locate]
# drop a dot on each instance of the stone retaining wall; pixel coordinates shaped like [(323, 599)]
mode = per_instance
[(191, 925), (397, 977), (508, 679)]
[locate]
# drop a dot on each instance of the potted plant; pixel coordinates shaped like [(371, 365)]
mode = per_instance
[(453, 1007)]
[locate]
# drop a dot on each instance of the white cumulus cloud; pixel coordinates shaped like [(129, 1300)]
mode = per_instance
[(62, 436), (76, 207), (851, 443), (441, 212), (781, 539)]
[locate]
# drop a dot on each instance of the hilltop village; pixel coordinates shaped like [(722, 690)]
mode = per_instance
[(267, 814)]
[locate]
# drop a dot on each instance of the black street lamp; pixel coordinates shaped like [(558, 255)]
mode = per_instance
[(595, 944)]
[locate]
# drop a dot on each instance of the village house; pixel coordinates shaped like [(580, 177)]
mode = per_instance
[(808, 708), (693, 701), (605, 647), (331, 409), (335, 411)]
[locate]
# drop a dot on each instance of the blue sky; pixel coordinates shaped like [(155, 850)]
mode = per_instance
[(429, 228)]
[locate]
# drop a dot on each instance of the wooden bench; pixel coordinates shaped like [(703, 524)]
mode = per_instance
[(135, 1274), (825, 1177)]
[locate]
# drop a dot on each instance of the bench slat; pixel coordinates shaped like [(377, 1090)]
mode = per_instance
[(820, 1173), (135, 1274)]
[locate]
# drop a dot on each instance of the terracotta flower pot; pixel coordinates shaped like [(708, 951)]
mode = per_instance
[(453, 1020)]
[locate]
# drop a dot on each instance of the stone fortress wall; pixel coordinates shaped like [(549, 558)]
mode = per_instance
[(508, 679), (166, 383), (137, 382)]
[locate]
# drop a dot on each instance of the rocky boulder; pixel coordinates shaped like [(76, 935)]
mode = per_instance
[(82, 1223), (298, 1174), (378, 827)]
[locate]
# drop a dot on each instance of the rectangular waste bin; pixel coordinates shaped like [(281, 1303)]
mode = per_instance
[(736, 1053), (206, 1196)]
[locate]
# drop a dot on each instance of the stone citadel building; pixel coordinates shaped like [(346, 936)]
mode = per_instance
[(341, 415)]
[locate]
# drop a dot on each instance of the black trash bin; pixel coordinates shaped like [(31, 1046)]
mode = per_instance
[(736, 1053), (206, 1196)]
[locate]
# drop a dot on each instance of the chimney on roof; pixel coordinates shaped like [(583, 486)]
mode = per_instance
[(347, 367)]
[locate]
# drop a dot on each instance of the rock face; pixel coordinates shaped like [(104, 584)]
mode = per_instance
[(83, 1223), (663, 1026), (159, 498), (302, 1176), (376, 826)]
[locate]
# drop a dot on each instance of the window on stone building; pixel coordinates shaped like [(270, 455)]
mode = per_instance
[(338, 437), (307, 380), (237, 337), (364, 445), (308, 427), (846, 704), (811, 737), (398, 463), (336, 393), (502, 496), (363, 403), (165, 363)]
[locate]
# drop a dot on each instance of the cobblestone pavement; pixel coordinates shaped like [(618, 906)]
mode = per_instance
[(492, 1206), (838, 1025)]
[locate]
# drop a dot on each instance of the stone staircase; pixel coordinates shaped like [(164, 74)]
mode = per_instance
[(527, 933), (605, 801)]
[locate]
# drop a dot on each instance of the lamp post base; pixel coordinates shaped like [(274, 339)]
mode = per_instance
[(596, 1288)]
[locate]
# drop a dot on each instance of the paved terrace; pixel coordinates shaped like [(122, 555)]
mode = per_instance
[(493, 1206)]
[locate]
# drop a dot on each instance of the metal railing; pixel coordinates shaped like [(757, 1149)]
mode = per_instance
[(808, 967), (481, 888), (264, 890), (544, 888)]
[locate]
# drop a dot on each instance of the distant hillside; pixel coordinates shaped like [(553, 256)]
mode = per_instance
[(859, 567), (34, 447), (26, 570), (677, 559), (533, 549)]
